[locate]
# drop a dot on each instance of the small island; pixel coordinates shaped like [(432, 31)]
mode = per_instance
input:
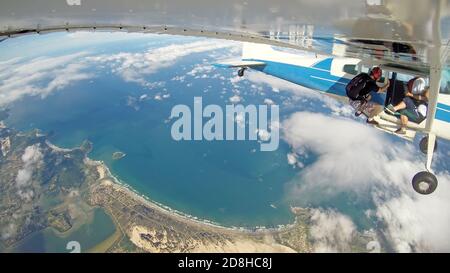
[(118, 155)]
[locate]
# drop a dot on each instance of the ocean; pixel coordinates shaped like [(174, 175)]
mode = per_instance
[(232, 183)]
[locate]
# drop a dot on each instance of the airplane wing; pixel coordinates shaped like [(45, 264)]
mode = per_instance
[(400, 32), (406, 34)]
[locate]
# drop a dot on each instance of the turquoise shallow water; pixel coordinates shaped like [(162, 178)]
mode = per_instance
[(87, 235)]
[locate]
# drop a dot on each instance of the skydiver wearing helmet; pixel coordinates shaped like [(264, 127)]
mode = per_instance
[(414, 106), (359, 89)]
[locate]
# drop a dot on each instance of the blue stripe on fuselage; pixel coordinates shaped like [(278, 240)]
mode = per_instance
[(325, 64), (443, 106), (311, 77), (443, 115)]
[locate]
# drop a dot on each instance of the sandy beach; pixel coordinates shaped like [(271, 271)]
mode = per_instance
[(152, 238), (242, 245), (108, 179)]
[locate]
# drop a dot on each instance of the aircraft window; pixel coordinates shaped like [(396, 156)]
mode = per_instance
[(350, 69), (365, 69), (404, 77), (445, 82), (445, 88)]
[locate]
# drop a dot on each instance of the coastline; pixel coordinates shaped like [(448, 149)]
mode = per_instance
[(105, 175), (144, 225)]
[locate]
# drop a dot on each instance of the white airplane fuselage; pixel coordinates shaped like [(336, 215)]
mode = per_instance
[(329, 75)]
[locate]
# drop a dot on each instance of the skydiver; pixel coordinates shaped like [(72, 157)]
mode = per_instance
[(359, 89), (413, 106)]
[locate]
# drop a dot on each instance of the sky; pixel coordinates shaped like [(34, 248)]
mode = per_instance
[(351, 156)]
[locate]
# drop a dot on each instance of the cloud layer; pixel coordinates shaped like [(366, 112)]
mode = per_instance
[(44, 75), (297, 91), (331, 231), (352, 157), (31, 159), (134, 67), (40, 76)]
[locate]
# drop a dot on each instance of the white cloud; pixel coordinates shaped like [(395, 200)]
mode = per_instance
[(32, 155), (26, 194), (154, 84), (179, 78), (292, 158), (31, 158), (235, 80), (235, 99), (418, 223), (40, 76), (143, 97), (9, 231), (263, 135), (201, 71), (23, 177), (89, 37), (353, 157), (277, 85), (331, 231), (134, 67), (6, 65), (44, 75), (133, 102), (240, 119), (373, 247), (349, 152)]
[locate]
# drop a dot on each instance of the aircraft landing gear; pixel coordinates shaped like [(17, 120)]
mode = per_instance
[(424, 182), (241, 71), (423, 145)]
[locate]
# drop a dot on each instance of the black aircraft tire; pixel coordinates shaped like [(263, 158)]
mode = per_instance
[(423, 145), (424, 183), (241, 72)]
